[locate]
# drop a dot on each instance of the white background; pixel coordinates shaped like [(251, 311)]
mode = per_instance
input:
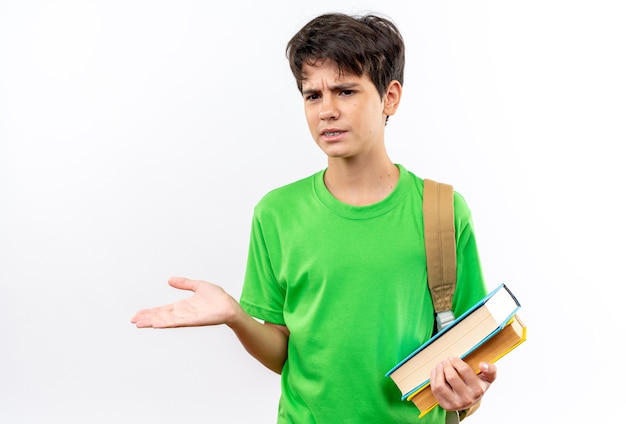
[(136, 137)]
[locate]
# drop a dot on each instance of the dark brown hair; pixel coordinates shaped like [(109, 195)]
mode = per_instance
[(358, 45)]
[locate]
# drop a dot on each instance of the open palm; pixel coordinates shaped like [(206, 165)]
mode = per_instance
[(209, 305)]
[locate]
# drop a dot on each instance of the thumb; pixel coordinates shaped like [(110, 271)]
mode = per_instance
[(183, 283)]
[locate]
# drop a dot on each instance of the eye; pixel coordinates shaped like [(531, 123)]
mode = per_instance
[(312, 97), (346, 92)]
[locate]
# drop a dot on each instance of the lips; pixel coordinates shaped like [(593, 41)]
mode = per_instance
[(332, 134)]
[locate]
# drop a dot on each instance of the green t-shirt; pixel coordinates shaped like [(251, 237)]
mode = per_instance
[(350, 284)]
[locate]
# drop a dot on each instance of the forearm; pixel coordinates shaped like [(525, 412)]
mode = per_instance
[(264, 342)]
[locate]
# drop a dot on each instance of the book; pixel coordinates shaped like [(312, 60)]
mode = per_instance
[(458, 339), (501, 343)]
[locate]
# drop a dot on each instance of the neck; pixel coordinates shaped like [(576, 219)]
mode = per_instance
[(361, 183)]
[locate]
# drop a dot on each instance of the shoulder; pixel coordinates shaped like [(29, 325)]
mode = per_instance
[(287, 196), (461, 208)]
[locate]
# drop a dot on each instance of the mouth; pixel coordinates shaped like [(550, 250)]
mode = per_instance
[(332, 133)]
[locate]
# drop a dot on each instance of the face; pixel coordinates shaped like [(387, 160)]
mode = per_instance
[(345, 113)]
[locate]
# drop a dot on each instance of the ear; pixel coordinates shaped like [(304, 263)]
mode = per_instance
[(391, 101)]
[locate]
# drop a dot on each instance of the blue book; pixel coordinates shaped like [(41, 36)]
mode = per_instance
[(460, 338)]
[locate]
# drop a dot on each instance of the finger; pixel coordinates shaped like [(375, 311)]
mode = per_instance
[(452, 374), (145, 317), (462, 368), (183, 283), (141, 320), (488, 372), (160, 320), (440, 387), (438, 380), (435, 375), (467, 386), (143, 323), (137, 317)]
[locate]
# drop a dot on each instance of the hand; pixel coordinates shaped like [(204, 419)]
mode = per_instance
[(209, 305), (457, 387)]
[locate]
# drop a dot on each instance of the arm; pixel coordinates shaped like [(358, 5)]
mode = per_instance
[(457, 388), (211, 305), (265, 342)]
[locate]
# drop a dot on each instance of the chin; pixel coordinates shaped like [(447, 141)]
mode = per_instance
[(334, 151)]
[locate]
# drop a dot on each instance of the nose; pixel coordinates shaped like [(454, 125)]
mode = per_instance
[(328, 109)]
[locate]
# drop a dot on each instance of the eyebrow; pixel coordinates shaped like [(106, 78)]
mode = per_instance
[(338, 87)]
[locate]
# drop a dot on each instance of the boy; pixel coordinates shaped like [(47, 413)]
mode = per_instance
[(336, 267)]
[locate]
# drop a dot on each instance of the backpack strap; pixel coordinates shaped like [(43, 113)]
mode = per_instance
[(440, 241), (439, 237)]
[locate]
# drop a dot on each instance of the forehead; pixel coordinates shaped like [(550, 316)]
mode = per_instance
[(326, 71)]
